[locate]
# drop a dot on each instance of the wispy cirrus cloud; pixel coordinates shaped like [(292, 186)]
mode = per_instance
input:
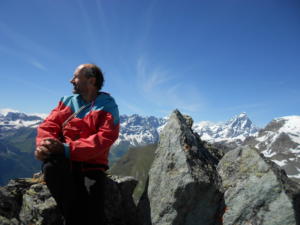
[(23, 56), (24, 48), (164, 89), (27, 84), (24, 43), (37, 64), (149, 80)]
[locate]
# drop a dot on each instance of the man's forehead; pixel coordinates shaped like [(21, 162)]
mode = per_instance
[(83, 66), (79, 67)]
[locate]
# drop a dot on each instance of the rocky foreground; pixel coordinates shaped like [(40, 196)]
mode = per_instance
[(189, 183), (28, 202)]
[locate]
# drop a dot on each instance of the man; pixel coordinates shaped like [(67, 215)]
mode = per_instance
[(73, 142)]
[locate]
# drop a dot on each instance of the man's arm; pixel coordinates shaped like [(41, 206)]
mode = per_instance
[(48, 135), (96, 145)]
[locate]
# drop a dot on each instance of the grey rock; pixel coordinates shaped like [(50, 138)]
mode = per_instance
[(188, 120), (28, 201), (39, 207), (183, 187), (119, 205), (5, 221), (257, 191), (11, 197)]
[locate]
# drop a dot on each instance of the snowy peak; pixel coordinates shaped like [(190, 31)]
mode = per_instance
[(240, 126), (237, 128), (139, 130), (288, 126), (291, 126), (280, 141), (4, 112), (12, 119)]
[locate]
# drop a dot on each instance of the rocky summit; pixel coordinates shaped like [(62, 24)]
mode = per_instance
[(183, 187)]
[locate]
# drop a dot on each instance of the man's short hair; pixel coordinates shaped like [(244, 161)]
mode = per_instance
[(91, 70)]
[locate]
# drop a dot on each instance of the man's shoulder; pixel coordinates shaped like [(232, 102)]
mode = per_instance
[(106, 103), (105, 100)]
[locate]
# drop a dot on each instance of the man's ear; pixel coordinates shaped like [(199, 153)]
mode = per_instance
[(92, 81)]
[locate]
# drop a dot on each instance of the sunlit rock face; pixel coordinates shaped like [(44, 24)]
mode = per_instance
[(257, 191)]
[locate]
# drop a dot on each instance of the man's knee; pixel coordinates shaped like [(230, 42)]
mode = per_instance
[(56, 167)]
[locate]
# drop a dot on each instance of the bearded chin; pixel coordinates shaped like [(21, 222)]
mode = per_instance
[(75, 90)]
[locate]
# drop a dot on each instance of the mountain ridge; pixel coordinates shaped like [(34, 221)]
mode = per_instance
[(18, 130)]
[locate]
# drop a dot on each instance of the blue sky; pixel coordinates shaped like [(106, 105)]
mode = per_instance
[(211, 59)]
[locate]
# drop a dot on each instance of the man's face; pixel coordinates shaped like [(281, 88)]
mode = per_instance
[(80, 82)]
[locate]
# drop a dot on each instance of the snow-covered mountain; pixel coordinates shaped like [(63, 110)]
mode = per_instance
[(12, 119), (234, 130), (135, 129), (139, 130), (280, 141)]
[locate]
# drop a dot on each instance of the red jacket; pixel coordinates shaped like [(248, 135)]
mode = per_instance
[(87, 137)]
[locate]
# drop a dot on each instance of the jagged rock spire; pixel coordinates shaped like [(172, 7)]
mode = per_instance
[(183, 183)]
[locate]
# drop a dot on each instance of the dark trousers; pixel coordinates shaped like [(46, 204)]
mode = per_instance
[(79, 195)]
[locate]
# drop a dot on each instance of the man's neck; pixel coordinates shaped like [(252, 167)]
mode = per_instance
[(89, 97)]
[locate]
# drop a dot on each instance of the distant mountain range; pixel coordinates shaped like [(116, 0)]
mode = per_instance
[(235, 130), (279, 140), (18, 132)]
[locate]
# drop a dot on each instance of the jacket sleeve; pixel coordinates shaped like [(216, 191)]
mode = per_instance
[(97, 145), (51, 126)]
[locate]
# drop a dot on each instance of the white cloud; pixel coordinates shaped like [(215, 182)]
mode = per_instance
[(23, 56), (37, 64), (150, 80), (164, 89), (25, 48)]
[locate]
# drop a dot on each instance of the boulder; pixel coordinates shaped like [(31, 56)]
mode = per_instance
[(39, 207), (183, 187), (28, 201), (257, 191), (11, 197), (119, 205)]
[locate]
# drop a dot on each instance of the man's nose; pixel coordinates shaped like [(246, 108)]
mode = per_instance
[(72, 81)]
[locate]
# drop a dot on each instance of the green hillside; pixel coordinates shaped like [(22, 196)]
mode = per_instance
[(16, 164), (22, 139), (136, 162)]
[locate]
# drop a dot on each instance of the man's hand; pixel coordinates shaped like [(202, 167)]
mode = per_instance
[(53, 145), (41, 153), (48, 146)]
